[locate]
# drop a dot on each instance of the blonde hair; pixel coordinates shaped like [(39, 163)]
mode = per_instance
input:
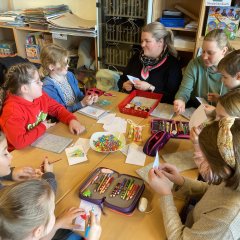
[(220, 37), (158, 32), (51, 54), (24, 206)]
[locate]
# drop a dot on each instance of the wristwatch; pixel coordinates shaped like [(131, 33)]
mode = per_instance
[(151, 87)]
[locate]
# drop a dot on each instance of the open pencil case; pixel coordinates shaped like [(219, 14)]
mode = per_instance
[(119, 192), (176, 129)]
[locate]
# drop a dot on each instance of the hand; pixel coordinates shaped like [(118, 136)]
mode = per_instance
[(87, 100), (23, 173), (159, 182), (95, 229), (46, 166), (213, 97), (194, 133), (48, 124), (141, 85), (95, 98), (128, 86), (179, 106), (210, 111), (171, 172), (66, 219), (75, 127)]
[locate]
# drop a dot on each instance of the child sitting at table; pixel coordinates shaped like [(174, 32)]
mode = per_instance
[(28, 194), (59, 83), (229, 67), (24, 113), (216, 215)]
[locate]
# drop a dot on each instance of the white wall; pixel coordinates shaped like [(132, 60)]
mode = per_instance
[(3, 5), (84, 9)]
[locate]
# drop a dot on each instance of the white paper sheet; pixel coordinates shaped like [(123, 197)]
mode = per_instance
[(118, 125), (156, 161), (75, 155), (132, 79), (87, 206), (198, 117), (202, 100), (84, 142), (135, 155), (107, 119)]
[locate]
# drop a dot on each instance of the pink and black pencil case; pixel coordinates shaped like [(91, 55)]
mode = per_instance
[(106, 187)]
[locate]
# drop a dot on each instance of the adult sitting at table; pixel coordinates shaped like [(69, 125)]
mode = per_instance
[(156, 66), (201, 78), (217, 214)]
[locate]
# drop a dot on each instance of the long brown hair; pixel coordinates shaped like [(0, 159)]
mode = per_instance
[(208, 145)]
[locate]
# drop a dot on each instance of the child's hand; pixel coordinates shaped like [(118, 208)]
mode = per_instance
[(127, 86), (48, 124), (66, 219), (23, 173), (194, 133), (95, 229), (171, 172), (179, 106), (213, 97), (88, 100), (159, 182), (95, 98), (46, 166), (75, 127)]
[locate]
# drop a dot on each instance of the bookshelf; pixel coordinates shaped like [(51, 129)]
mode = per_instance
[(185, 39), (200, 33)]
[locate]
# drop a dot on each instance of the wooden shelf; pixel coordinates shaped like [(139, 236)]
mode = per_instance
[(182, 29), (32, 29)]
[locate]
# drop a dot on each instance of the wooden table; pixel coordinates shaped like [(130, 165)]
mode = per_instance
[(115, 226)]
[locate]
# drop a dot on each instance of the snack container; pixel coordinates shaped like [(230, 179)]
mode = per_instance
[(117, 186), (139, 113)]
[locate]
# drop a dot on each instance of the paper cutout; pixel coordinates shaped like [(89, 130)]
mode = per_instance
[(75, 155), (202, 100), (132, 79), (84, 142), (156, 162), (135, 155), (198, 117)]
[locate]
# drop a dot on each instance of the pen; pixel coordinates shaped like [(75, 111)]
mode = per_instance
[(42, 165)]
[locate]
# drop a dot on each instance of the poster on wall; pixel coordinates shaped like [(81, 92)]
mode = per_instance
[(219, 3)]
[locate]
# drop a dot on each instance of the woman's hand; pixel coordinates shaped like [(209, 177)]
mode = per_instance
[(23, 173), (75, 127), (179, 106), (48, 124), (213, 97), (66, 219), (159, 182), (141, 85), (128, 86)]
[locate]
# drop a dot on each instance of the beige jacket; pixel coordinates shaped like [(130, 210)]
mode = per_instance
[(216, 216)]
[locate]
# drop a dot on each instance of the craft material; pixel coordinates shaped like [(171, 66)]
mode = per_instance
[(107, 142)]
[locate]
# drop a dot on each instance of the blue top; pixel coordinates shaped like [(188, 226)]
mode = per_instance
[(54, 91)]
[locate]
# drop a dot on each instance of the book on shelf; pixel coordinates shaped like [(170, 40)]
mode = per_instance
[(52, 142), (226, 18), (93, 112)]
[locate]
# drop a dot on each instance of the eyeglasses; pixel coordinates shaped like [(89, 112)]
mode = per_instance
[(38, 82)]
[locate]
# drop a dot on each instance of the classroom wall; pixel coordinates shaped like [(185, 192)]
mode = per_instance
[(82, 8), (3, 5)]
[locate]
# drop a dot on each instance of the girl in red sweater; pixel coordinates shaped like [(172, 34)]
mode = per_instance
[(26, 107)]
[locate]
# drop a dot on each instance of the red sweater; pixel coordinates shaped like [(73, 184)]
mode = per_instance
[(21, 120)]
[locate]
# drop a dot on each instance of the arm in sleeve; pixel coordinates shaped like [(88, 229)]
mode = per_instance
[(173, 82), (50, 178), (9, 176), (209, 226), (60, 112), (192, 188), (123, 78), (18, 135), (187, 84)]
